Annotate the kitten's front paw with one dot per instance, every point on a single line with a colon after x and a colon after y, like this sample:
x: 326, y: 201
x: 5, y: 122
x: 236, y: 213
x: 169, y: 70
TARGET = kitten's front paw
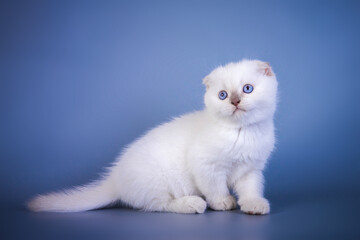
x: 254, y: 206
x: 226, y: 203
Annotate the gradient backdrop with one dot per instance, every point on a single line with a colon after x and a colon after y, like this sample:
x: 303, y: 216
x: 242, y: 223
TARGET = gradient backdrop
x: 81, y: 79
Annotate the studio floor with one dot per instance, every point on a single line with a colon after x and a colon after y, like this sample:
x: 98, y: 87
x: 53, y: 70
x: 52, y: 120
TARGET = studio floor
x: 316, y: 215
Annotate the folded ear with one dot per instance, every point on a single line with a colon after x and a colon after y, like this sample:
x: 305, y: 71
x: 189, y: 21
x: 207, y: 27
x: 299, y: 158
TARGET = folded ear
x: 265, y: 68
x: 206, y: 81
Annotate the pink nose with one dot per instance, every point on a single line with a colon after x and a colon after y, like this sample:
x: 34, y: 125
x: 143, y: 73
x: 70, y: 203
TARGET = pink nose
x: 235, y: 100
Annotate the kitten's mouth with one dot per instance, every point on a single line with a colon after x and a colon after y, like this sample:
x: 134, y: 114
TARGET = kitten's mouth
x: 238, y: 109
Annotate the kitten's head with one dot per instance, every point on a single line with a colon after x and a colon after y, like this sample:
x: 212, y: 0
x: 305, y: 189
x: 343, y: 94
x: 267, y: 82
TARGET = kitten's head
x: 241, y: 93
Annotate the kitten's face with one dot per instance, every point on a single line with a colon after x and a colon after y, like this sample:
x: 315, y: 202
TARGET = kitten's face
x: 243, y: 92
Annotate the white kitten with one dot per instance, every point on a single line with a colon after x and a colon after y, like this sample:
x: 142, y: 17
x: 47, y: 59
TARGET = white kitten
x: 183, y: 165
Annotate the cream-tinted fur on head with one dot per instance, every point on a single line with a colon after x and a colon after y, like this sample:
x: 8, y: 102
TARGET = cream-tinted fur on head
x: 191, y: 162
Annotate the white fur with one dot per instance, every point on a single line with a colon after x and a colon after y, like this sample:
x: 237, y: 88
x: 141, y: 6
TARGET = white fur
x: 178, y: 165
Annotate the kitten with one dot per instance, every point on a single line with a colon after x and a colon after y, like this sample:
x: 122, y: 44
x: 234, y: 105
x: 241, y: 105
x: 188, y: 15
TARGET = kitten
x: 191, y: 162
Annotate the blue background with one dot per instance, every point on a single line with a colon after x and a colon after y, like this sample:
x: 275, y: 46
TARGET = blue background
x: 81, y: 79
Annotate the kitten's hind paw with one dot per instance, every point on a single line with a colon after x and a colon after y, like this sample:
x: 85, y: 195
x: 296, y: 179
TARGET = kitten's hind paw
x: 187, y: 204
x: 222, y: 204
x: 254, y: 206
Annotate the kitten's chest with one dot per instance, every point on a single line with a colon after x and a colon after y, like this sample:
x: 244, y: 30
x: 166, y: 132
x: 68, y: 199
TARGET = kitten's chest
x: 245, y: 144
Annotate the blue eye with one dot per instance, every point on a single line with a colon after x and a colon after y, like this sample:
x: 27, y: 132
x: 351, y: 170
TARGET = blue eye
x: 248, y: 88
x: 223, y: 94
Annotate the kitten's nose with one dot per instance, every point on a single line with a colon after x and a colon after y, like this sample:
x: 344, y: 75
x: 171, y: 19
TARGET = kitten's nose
x: 235, y: 100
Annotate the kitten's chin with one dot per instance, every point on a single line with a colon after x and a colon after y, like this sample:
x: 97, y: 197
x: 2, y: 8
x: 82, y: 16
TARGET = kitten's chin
x: 238, y: 116
x: 237, y: 111
x: 235, y: 118
x: 241, y: 117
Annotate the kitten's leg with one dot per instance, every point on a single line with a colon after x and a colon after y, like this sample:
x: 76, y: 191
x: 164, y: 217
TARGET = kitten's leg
x: 250, y: 191
x: 215, y: 190
x: 186, y: 204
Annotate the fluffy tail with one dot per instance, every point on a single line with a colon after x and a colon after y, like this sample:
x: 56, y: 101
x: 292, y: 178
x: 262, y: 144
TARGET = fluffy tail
x: 92, y: 196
